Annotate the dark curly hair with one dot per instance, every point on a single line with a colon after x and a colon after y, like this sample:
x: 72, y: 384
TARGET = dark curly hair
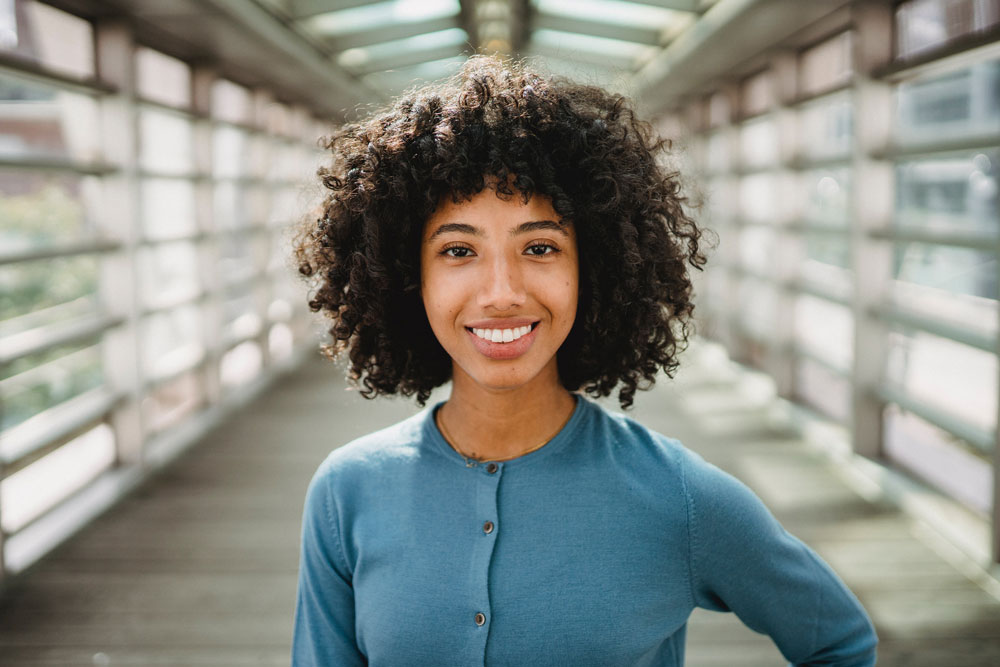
x: 497, y: 124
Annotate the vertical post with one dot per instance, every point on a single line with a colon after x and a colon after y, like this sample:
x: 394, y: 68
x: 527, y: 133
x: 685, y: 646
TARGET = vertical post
x: 202, y: 79
x: 263, y: 238
x: 120, y: 346
x: 729, y: 238
x: 788, y: 244
x: 995, y: 518
x: 872, y: 209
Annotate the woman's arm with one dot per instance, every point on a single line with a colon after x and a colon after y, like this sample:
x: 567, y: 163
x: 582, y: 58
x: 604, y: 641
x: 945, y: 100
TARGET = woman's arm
x: 324, y: 610
x: 743, y: 560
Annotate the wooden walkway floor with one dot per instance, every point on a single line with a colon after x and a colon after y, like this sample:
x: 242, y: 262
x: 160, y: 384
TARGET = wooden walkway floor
x: 199, y: 566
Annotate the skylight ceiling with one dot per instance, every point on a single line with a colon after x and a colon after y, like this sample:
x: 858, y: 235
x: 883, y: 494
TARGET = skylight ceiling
x: 392, y: 44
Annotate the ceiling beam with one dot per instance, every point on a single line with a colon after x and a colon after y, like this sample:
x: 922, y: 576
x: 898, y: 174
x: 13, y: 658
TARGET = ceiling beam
x: 353, y: 40
x: 602, y: 60
x: 726, y: 36
x: 408, y: 59
x: 679, y: 5
x: 645, y: 36
x: 304, y: 9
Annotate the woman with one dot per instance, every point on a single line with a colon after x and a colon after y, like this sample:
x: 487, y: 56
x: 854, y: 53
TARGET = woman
x: 516, y: 236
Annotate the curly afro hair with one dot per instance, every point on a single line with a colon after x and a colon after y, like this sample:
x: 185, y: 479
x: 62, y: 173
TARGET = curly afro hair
x: 496, y: 124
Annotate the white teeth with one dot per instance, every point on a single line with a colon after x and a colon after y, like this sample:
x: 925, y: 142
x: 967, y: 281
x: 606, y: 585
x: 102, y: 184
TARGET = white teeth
x: 502, y: 335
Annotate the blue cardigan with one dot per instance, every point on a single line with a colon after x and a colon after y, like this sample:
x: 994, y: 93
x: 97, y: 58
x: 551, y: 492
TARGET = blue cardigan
x: 592, y: 550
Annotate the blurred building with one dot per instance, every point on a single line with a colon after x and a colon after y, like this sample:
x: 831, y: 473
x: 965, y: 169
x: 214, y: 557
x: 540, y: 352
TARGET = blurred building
x: 153, y: 156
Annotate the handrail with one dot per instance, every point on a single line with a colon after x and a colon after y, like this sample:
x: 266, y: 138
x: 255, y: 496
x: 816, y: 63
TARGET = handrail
x: 975, y: 241
x: 983, y: 440
x: 958, y: 334
x: 44, y: 338
x: 93, y: 168
x: 45, y: 432
x: 59, y: 250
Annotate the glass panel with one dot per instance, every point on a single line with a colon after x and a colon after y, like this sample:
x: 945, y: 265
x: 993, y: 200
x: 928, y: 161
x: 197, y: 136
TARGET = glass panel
x: 824, y: 390
x: 965, y: 103
x: 231, y: 102
x: 757, y: 198
x: 168, y: 273
x: 951, y: 193
x: 825, y: 330
x: 718, y: 109
x: 826, y: 65
x: 241, y: 364
x: 828, y: 249
x: 48, y: 36
x: 167, y: 208
x: 169, y: 403
x: 758, y: 307
x: 165, y: 142
x: 955, y: 270
x: 230, y: 156
x: 285, y: 206
x: 757, y: 93
x: 828, y: 126
x: 39, y: 121
x: 33, y: 384
x: 976, y: 313
x: 757, y: 247
x: 381, y: 14
x: 230, y: 210
x: 280, y: 342
x: 235, y: 261
x: 959, y: 379
x: 162, y: 78
x: 31, y: 492
x: 30, y: 286
x: 361, y: 56
x: 717, y: 152
x: 759, y: 143
x: 39, y: 209
x: 922, y: 25
x: 937, y: 457
x: 239, y: 314
x: 260, y: 155
x: 171, y: 341
x: 827, y: 196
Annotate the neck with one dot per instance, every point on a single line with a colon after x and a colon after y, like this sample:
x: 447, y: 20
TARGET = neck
x: 488, y: 424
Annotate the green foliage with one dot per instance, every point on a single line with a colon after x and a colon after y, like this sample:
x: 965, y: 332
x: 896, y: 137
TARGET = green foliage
x: 47, y: 216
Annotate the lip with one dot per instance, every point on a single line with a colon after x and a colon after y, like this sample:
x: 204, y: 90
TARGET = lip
x: 502, y: 323
x: 511, y: 350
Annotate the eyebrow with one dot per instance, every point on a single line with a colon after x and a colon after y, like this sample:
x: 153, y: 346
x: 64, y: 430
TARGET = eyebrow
x: 523, y: 228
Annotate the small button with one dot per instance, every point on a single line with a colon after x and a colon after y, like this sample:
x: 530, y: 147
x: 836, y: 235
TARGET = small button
x: 488, y: 527
x: 480, y: 618
x: 491, y: 467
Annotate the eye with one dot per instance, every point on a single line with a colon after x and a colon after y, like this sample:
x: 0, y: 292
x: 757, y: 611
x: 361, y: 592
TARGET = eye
x: 457, y: 251
x: 541, y: 249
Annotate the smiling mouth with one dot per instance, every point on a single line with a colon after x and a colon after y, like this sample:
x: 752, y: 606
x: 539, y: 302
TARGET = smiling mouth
x: 503, y: 335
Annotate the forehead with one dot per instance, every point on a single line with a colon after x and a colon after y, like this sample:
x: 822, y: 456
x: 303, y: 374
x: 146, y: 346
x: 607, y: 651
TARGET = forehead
x: 485, y: 209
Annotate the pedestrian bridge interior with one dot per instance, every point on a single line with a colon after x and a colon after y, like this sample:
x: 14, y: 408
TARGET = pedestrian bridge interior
x: 163, y: 402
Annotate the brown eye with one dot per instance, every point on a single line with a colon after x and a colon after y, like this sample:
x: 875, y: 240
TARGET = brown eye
x: 540, y: 249
x: 458, y: 252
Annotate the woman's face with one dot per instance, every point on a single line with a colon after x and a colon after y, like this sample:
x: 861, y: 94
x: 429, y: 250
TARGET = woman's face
x: 499, y: 281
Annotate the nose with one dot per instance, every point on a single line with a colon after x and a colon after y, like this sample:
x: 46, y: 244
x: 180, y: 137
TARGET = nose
x: 503, y: 285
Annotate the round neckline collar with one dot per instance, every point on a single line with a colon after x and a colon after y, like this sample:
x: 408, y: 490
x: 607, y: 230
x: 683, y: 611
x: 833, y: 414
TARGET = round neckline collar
x: 557, y: 442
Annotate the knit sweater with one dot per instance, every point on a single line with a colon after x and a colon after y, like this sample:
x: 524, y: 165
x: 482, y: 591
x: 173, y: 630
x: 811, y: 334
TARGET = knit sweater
x: 592, y: 550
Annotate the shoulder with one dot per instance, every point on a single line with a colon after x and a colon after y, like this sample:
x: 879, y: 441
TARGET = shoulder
x: 666, y: 458
x: 371, y: 457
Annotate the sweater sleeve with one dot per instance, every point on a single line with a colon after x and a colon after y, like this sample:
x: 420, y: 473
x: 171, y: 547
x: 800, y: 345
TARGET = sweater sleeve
x: 744, y: 561
x: 324, y: 610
